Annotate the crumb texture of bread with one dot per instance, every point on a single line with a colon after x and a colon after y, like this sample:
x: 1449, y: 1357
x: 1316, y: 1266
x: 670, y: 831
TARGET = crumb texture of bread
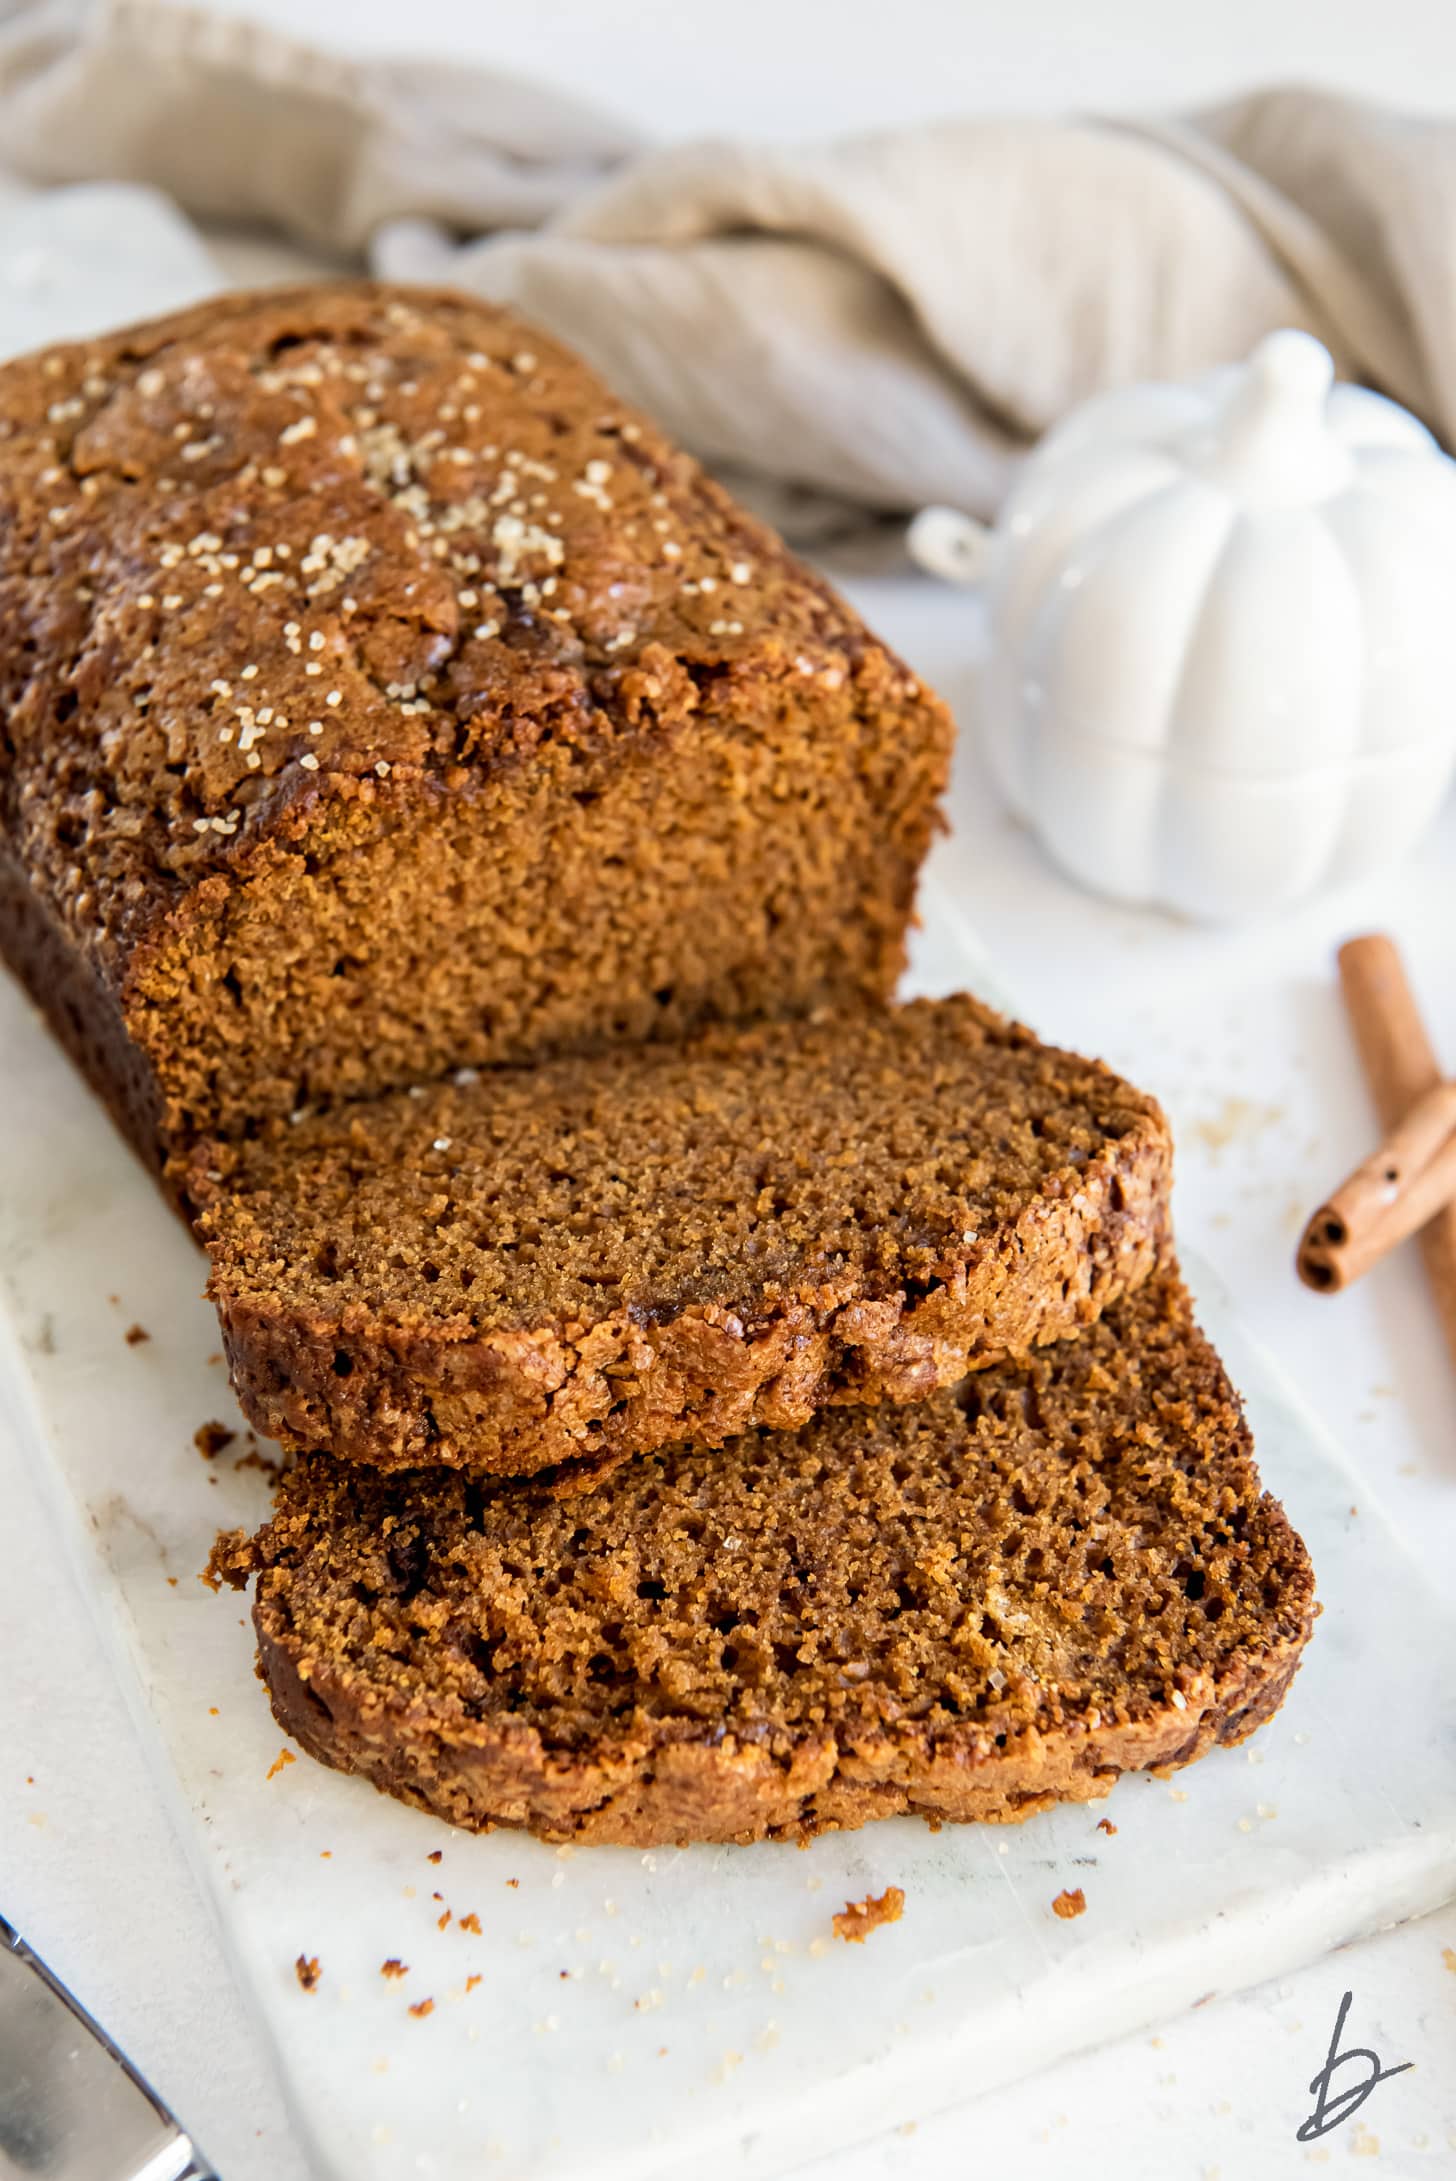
x: 382, y: 696
x: 972, y: 1608
x: 560, y: 1267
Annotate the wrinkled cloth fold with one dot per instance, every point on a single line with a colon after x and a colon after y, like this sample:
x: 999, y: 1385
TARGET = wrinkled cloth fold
x: 886, y: 320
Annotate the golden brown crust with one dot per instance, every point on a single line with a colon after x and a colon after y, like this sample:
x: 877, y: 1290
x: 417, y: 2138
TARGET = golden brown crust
x: 83, y: 1009
x: 674, y: 1794
x: 562, y: 1269
x: 356, y: 580
x: 955, y: 1612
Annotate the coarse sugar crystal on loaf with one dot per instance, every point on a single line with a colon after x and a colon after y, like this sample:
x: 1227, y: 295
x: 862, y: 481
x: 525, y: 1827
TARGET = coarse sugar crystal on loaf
x: 1004, y: 1597
x: 563, y: 1266
x: 382, y: 696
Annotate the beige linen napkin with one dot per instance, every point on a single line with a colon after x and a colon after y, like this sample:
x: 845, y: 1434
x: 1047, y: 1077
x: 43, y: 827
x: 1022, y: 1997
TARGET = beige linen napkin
x: 887, y: 320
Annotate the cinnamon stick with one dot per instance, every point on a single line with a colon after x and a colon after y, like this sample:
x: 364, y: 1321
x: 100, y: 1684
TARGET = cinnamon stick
x: 1389, y: 1197
x: 1400, y: 1067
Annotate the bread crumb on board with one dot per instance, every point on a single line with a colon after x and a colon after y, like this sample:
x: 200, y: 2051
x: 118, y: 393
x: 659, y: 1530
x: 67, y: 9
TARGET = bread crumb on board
x: 135, y: 1335
x: 1105, y: 1825
x: 307, y: 1971
x: 284, y: 1757
x: 421, y: 2008
x: 857, y: 1919
x: 394, y: 1967
x: 211, y: 1438
x: 1071, y: 1901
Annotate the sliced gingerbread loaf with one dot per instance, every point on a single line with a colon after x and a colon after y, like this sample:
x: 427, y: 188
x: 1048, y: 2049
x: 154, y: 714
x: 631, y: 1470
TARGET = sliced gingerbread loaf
x: 560, y: 1267
x: 972, y: 1608
x: 381, y: 695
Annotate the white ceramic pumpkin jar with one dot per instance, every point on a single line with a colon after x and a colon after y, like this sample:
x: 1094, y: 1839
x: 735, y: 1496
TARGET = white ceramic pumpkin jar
x: 1221, y: 664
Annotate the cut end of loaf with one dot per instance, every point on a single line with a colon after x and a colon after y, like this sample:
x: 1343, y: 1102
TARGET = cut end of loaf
x: 719, y: 870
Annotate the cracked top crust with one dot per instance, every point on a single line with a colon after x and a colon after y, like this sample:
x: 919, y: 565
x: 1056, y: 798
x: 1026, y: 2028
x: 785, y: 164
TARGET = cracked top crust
x: 281, y: 546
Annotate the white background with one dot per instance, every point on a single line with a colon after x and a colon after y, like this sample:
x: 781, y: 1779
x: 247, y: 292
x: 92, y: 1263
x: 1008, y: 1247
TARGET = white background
x: 787, y: 68
x: 1241, y: 1034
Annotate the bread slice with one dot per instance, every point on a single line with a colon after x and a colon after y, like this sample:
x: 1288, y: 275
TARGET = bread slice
x: 972, y: 1608
x: 560, y: 1268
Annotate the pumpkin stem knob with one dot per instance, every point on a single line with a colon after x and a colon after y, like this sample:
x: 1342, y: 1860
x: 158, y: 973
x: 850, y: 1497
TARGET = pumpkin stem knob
x: 1270, y: 441
x: 1293, y: 368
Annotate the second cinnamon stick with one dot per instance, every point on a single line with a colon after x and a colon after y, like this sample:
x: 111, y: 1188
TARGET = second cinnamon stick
x: 1388, y: 1198
x: 1400, y: 1066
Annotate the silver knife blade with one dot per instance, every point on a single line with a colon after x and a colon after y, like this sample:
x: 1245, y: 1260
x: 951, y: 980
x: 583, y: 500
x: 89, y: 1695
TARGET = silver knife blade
x: 72, y: 2106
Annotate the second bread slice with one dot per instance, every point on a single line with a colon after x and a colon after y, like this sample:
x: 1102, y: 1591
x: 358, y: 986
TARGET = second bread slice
x: 560, y: 1268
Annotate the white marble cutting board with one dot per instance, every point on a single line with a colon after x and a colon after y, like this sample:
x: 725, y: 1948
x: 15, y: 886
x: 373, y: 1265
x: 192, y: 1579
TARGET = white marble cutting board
x: 648, y: 2015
